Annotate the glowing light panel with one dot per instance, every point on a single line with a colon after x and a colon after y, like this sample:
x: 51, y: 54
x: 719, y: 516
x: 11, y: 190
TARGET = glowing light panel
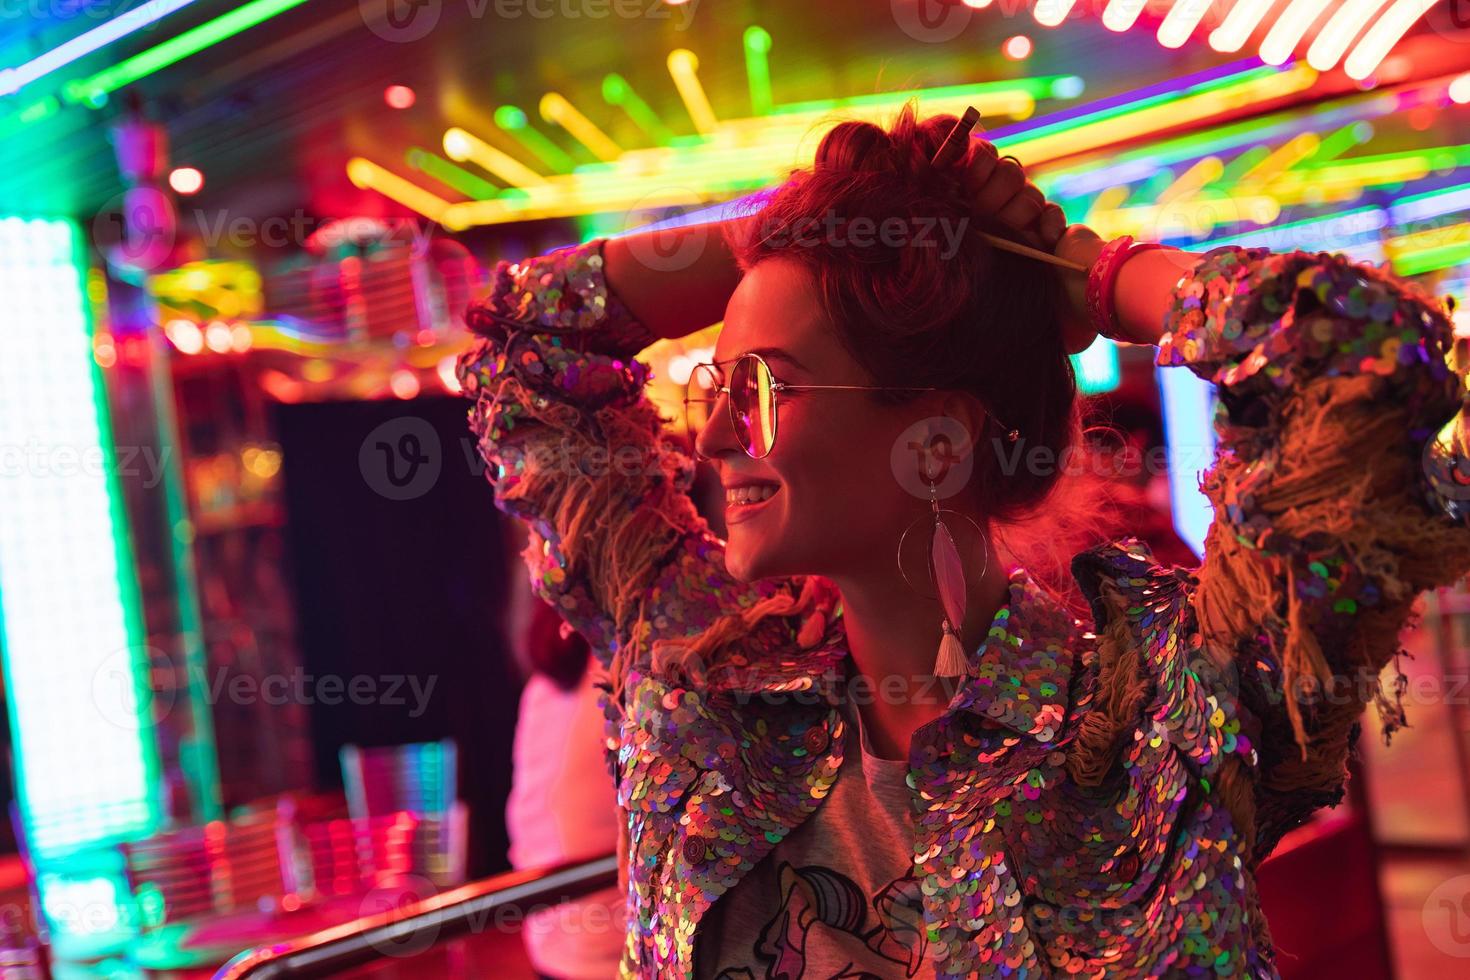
x: 69, y: 627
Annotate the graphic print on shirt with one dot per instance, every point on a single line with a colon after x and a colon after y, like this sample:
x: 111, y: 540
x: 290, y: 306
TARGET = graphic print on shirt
x: 821, y: 907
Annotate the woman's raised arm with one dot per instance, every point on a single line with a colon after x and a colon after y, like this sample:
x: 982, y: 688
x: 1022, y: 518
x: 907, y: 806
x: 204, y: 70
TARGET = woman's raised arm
x: 1333, y: 383
x: 677, y: 280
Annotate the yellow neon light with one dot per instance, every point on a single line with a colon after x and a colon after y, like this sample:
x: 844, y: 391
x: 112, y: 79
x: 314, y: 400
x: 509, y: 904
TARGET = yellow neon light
x: 1109, y: 200
x: 1197, y: 217
x: 1429, y: 238
x: 1189, y: 109
x: 1282, y: 159
x: 1333, y: 40
x: 1205, y: 171
x: 684, y: 66
x: 739, y: 154
x: 1383, y: 35
x: 556, y: 109
x: 369, y: 176
x: 460, y: 146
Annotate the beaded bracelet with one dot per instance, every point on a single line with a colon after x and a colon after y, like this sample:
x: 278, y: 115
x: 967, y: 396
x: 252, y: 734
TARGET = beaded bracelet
x: 1102, y: 278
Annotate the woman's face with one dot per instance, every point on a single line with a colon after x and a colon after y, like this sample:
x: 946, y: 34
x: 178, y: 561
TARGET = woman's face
x: 838, y: 505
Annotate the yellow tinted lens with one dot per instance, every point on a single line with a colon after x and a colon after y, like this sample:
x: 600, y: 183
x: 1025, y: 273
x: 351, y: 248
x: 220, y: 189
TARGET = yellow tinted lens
x: 754, y: 401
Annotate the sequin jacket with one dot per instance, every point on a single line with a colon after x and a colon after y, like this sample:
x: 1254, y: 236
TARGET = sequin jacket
x: 1142, y: 868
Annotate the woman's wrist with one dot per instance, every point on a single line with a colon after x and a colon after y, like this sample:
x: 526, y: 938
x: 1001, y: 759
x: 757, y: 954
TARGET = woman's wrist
x: 1144, y: 291
x: 676, y: 280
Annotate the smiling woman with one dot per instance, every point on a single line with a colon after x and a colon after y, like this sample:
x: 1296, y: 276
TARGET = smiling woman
x: 804, y: 791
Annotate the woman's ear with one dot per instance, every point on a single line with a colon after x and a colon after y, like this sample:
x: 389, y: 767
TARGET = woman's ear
x: 966, y: 409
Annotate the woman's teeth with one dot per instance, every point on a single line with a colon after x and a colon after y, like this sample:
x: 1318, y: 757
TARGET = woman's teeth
x: 749, y: 495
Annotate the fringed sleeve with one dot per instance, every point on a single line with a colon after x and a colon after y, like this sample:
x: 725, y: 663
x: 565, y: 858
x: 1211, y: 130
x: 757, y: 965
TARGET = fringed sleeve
x: 1335, y: 491
x: 574, y: 448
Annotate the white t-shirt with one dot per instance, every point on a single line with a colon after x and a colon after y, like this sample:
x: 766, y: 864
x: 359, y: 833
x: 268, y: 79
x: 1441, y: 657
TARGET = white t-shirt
x: 562, y: 807
x: 836, y: 898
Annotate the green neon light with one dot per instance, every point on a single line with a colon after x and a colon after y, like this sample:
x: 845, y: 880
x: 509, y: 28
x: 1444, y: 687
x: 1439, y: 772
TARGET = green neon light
x: 76, y: 662
x: 89, y: 90
x: 758, y: 69
x: 32, y: 113
x: 1430, y: 259
x: 1339, y: 142
x: 1161, y: 98
x: 468, y: 184
x: 515, y: 124
x: 1435, y: 157
x: 616, y: 91
x: 1097, y: 368
x: 1219, y: 140
x: 1243, y: 164
x: 1038, y: 87
x: 199, y: 757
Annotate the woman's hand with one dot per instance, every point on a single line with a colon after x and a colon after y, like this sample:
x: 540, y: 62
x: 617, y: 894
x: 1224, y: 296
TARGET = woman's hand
x: 1079, y: 244
x: 1020, y: 205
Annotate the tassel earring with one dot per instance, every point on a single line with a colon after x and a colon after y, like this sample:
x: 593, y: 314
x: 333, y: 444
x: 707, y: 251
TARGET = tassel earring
x: 947, y: 571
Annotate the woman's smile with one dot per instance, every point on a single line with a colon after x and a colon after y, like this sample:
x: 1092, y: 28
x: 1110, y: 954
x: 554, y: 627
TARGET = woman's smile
x: 746, y: 501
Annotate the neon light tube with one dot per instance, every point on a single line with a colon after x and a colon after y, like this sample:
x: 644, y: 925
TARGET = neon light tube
x: 1290, y: 27
x: 75, y: 656
x: 556, y: 109
x: 1239, y: 24
x: 1446, y: 200
x: 369, y: 176
x: 513, y: 122
x: 1180, y: 22
x: 616, y: 91
x: 90, y: 90
x: 758, y: 69
x: 1383, y: 35
x: 460, y: 145
x: 446, y: 173
x: 1333, y: 40
x: 684, y: 67
x: 1121, y: 14
x: 1050, y: 13
x: 14, y: 79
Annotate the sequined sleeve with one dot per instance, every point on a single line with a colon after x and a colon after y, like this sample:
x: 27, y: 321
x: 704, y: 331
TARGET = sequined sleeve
x: 1334, y: 493
x: 574, y: 448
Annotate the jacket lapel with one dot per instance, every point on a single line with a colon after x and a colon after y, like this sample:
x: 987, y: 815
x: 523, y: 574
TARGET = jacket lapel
x: 716, y: 777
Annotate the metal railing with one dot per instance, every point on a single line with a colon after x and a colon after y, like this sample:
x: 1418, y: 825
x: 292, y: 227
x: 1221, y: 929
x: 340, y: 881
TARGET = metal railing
x: 453, y: 913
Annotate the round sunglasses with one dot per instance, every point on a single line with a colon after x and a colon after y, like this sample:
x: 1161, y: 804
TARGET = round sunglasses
x: 752, y: 396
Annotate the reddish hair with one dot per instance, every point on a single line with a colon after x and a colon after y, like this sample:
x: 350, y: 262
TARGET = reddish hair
x: 955, y: 314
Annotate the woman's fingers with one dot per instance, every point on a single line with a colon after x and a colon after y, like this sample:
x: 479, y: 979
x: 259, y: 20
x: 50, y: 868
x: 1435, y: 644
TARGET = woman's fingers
x: 1052, y: 225
x: 1015, y: 201
x: 1005, y: 181
x: 1022, y: 210
x: 983, y: 161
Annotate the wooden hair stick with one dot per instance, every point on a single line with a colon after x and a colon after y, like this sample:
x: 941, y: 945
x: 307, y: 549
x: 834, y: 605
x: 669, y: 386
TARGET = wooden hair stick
x: 951, y: 150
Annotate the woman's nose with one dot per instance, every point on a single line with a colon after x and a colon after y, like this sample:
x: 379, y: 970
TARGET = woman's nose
x: 718, y: 435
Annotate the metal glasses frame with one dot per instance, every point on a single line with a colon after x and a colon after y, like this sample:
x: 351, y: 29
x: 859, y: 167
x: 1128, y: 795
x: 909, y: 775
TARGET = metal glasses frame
x: 776, y: 388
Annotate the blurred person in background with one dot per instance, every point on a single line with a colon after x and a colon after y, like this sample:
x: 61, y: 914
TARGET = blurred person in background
x: 562, y: 805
